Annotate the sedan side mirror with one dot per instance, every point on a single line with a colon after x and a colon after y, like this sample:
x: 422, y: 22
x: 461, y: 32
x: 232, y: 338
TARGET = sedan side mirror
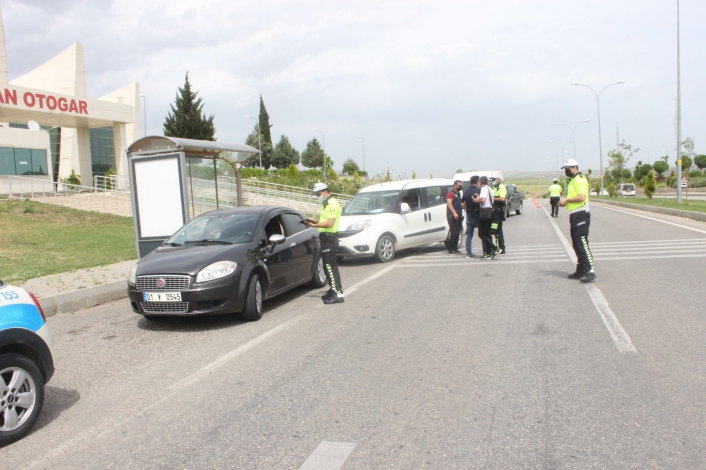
x: 404, y: 208
x: 275, y: 240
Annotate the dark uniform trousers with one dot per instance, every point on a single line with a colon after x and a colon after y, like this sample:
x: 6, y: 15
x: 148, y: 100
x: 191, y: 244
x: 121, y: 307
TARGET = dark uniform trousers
x: 554, y: 201
x: 580, y: 223
x: 453, y: 239
x: 329, y: 255
x: 496, y: 228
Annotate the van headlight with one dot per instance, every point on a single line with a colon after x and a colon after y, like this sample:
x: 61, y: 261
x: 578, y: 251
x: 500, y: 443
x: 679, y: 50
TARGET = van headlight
x: 215, y: 271
x: 132, y: 276
x: 359, y: 226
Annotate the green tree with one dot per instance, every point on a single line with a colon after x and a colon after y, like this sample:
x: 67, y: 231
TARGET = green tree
x: 388, y: 176
x: 700, y: 161
x: 329, y: 162
x: 356, y: 176
x: 650, y: 184
x: 626, y: 174
x: 313, y: 154
x: 292, y: 171
x: 660, y: 167
x: 265, y: 126
x: 253, y: 141
x: 186, y: 118
x: 618, y: 159
x: 686, y: 163
x: 284, y: 154
x: 611, y: 190
x: 414, y: 175
x: 350, y: 167
x: 331, y: 174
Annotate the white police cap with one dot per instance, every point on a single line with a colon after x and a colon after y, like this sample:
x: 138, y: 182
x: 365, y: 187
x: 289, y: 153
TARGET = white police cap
x: 318, y: 187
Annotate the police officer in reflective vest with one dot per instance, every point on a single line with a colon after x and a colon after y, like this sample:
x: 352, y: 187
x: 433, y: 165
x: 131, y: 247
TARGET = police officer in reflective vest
x: 499, y: 201
x: 576, y: 203
x: 328, y: 233
x: 554, y: 197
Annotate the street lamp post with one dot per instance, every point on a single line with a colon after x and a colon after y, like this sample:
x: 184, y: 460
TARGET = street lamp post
x: 144, y: 111
x: 678, y: 112
x: 562, y: 147
x: 323, y: 140
x: 259, y: 143
x: 362, y: 140
x: 598, y: 104
x: 573, y: 132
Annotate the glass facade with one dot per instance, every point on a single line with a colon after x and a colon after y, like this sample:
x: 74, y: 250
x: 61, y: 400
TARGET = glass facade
x: 102, y: 150
x: 54, y: 145
x: 23, y: 162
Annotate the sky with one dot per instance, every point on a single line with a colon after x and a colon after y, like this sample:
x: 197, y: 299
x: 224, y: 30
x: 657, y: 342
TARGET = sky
x: 432, y: 87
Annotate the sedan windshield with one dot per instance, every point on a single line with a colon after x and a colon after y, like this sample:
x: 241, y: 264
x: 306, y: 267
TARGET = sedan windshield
x: 216, y: 229
x: 371, y: 203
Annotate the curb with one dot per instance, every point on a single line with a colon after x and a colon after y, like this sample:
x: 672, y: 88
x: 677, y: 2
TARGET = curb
x: 69, y: 302
x: 698, y: 216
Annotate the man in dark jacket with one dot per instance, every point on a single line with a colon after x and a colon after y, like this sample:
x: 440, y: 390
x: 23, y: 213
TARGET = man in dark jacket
x: 454, y: 216
x: 472, y: 213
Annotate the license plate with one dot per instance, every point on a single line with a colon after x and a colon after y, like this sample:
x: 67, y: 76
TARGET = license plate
x: 161, y: 296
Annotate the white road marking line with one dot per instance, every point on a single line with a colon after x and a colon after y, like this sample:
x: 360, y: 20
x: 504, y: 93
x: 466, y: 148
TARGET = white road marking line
x: 652, y: 242
x: 652, y: 218
x: 616, y: 258
x: 475, y: 263
x: 564, y: 242
x: 328, y: 456
x: 513, y: 256
x: 619, y: 335
x: 627, y: 251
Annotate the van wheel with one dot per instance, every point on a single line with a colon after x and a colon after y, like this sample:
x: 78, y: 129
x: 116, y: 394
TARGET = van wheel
x: 253, y: 302
x: 385, y: 249
x: 519, y: 211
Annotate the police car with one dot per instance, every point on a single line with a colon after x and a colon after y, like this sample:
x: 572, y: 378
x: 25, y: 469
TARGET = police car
x: 26, y: 362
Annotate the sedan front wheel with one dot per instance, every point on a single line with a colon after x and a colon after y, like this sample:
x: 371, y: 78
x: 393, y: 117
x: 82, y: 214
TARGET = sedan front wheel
x: 253, y: 302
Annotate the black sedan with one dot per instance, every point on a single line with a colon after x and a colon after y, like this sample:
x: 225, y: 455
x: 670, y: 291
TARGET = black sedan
x: 513, y: 201
x: 227, y: 261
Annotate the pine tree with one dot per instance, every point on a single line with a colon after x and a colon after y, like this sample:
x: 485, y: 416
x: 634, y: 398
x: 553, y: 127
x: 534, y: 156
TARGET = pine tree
x: 253, y: 141
x: 267, y: 146
x: 313, y: 154
x: 187, y: 119
x: 284, y: 154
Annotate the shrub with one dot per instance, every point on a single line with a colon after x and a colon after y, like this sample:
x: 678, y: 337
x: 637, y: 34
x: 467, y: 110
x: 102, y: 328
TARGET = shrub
x: 698, y: 182
x: 672, y: 181
x: 356, y: 176
x: 73, y: 178
x: 331, y: 174
x: 650, y: 184
x: 292, y: 171
x: 108, y: 182
x: 611, y: 190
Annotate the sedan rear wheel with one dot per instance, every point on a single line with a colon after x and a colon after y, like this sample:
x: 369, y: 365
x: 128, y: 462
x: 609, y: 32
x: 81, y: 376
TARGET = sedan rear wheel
x: 385, y: 250
x: 21, y: 396
x: 253, y: 301
x: 519, y: 211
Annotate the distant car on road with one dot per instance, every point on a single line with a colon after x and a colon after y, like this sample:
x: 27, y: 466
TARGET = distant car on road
x: 514, y: 200
x: 26, y: 362
x: 626, y: 189
x: 227, y: 261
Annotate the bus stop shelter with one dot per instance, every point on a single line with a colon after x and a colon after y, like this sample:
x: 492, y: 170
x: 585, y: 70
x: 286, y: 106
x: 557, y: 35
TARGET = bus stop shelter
x: 173, y: 180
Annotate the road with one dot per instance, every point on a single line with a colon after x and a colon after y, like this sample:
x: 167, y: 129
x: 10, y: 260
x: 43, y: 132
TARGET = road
x: 432, y: 362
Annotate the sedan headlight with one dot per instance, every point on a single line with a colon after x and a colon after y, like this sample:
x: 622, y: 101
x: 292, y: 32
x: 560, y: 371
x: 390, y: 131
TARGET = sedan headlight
x: 216, y: 271
x: 359, y: 226
x: 131, y: 278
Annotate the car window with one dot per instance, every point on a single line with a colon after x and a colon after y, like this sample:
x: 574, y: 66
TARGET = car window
x: 274, y: 227
x: 436, y: 195
x: 371, y: 202
x: 293, y: 223
x: 413, y: 197
x: 223, y: 227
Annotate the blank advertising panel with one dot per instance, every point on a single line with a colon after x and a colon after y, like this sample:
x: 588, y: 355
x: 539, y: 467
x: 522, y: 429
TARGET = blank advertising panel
x: 159, y: 199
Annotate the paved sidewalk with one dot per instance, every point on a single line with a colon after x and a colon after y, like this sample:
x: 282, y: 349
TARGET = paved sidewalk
x: 83, y: 288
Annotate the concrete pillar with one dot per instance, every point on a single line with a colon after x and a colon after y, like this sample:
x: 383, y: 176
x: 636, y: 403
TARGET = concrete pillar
x: 120, y: 145
x: 76, y: 154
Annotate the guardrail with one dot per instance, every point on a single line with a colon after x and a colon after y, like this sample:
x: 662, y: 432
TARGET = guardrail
x: 71, y: 195
x: 119, y: 182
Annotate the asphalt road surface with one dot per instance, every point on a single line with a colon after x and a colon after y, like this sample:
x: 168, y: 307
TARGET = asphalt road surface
x: 433, y: 361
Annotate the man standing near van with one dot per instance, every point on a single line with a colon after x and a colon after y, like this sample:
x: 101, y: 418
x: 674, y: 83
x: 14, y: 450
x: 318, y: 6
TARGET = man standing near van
x: 485, y: 199
x: 554, y: 197
x: 499, y: 198
x: 328, y: 233
x: 472, y: 213
x: 576, y: 203
x: 454, y: 216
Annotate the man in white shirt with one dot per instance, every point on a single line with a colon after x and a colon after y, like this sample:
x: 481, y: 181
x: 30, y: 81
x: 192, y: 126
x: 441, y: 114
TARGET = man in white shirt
x: 485, y: 199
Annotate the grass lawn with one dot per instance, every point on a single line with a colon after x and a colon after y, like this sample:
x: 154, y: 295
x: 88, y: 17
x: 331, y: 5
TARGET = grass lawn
x: 39, y: 239
x: 670, y: 203
x: 532, y: 187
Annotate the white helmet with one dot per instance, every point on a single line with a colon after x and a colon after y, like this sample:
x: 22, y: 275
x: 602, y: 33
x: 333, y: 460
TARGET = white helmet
x: 496, y: 176
x: 570, y: 162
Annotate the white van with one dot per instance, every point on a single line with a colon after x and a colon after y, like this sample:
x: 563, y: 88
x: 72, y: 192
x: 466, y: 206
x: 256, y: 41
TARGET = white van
x: 387, y: 217
x: 465, y: 177
x: 626, y: 189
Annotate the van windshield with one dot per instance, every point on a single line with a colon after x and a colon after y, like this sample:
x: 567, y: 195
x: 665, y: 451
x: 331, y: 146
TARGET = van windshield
x: 371, y: 203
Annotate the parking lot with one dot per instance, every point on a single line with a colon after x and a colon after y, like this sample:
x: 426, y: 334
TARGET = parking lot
x: 433, y: 361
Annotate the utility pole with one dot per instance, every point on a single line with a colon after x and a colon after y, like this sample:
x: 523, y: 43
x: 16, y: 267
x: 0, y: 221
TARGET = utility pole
x: 678, y: 113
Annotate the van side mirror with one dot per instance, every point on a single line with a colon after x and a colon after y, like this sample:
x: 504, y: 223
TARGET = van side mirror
x: 404, y: 208
x: 275, y: 240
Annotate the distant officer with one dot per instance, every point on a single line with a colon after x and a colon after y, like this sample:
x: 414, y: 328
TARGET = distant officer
x: 554, y: 197
x: 499, y: 201
x: 576, y: 203
x: 328, y: 233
